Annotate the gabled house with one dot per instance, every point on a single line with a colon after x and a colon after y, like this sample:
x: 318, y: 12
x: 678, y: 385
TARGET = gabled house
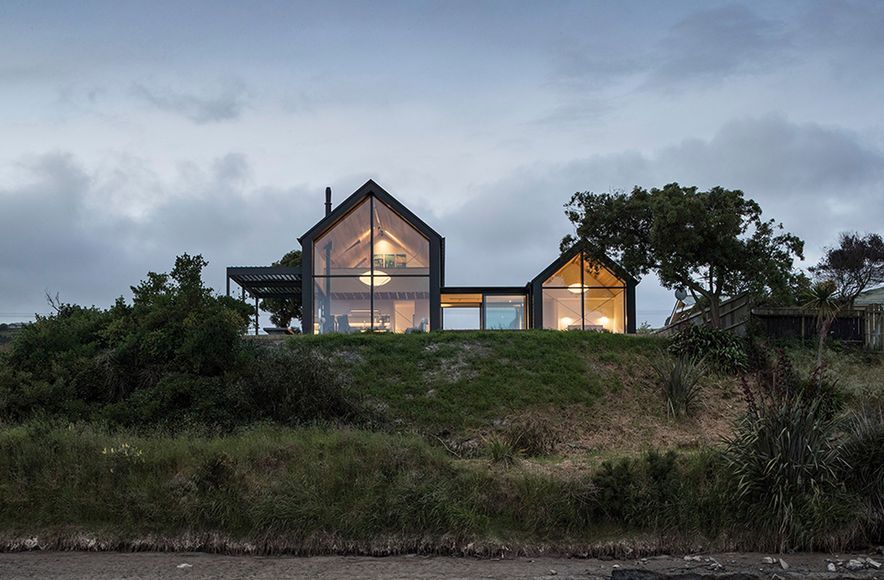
x: 371, y: 265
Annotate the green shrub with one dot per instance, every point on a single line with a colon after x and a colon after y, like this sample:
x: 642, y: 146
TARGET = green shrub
x: 679, y: 379
x: 658, y: 491
x: 863, y: 453
x: 291, y: 386
x: 532, y: 436
x: 723, y: 350
x: 501, y: 451
x: 161, y: 359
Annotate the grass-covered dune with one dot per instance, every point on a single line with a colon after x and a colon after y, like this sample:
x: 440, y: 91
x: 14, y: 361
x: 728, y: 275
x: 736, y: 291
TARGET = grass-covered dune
x: 597, y: 391
x: 460, y: 443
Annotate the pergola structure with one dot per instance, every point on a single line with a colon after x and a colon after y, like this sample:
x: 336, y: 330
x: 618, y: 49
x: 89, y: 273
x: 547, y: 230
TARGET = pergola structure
x: 265, y: 282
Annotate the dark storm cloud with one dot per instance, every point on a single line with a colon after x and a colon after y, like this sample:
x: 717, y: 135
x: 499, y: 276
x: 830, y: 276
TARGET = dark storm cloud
x: 225, y: 104
x: 60, y: 234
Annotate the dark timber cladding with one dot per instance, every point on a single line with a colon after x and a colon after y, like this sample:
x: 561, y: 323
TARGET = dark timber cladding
x: 397, y: 283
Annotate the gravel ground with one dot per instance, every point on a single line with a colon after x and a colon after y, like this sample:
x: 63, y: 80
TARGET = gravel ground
x: 189, y: 565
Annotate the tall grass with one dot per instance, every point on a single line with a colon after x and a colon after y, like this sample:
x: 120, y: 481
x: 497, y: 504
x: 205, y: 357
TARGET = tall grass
x: 680, y: 379
x: 263, y: 483
x: 317, y: 490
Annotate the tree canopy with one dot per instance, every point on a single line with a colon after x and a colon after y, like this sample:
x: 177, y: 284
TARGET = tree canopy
x: 283, y: 310
x: 711, y: 243
x: 855, y: 264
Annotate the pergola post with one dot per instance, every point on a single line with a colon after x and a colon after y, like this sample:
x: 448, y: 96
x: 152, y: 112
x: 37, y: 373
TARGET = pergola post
x: 256, y: 316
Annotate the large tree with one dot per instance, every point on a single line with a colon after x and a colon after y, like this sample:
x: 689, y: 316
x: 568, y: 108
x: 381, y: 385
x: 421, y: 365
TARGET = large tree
x: 711, y: 243
x: 283, y: 310
x: 855, y: 264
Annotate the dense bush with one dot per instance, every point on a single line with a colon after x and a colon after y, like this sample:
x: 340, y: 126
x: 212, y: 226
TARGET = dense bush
x: 662, y: 492
x: 173, y: 357
x: 722, y: 349
x: 290, y: 386
x: 786, y: 465
x: 863, y: 453
x: 800, y: 478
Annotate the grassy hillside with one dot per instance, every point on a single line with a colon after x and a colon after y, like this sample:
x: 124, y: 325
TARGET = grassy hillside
x: 432, y: 466
x: 461, y: 380
x: 598, y: 391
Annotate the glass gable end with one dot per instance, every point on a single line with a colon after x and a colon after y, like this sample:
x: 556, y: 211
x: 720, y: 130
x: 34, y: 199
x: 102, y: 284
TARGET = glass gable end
x: 371, y: 274
x: 583, y: 295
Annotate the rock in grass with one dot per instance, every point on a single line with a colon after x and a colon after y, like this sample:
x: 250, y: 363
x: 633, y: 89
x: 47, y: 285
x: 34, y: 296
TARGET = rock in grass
x: 873, y: 564
x: 855, y: 565
x: 831, y: 567
x: 783, y: 564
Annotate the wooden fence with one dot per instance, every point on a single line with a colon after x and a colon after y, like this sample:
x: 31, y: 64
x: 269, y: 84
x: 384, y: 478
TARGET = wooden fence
x: 862, y: 326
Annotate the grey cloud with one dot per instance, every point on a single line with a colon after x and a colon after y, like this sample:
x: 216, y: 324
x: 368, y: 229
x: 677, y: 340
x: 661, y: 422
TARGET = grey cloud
x: 716, y: 43
x: 772, y: 153
x: 58, y: 233
x: 817, y: 180
x: 705, y: 46
x: 225, y: 104
x: 65, y: 230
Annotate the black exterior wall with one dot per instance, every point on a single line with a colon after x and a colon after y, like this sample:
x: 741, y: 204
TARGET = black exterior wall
x: 533, y: 290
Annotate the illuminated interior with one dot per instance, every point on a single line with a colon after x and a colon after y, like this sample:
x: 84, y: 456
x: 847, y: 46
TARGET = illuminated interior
x: 582, y: 295
x: 462, y: 311
x: 371, y: 274
x: 505, y: 312
x: 475, y: 311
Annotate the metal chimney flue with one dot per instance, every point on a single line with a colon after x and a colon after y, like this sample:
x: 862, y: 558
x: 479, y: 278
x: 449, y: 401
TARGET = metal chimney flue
x: 327, y: 200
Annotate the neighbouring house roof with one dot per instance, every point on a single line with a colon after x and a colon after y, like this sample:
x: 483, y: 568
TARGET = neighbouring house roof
x: 873, y: 296
x: 267, y: 281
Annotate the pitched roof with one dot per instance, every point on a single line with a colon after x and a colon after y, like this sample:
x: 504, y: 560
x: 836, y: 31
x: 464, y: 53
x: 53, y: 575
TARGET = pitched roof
x: 572, y: 251
x: 873, y: 296
x: 369, y: 188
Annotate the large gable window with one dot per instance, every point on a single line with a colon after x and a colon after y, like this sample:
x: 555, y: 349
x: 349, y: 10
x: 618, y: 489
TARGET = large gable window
x: 583, y: 295
x: 371, y: 274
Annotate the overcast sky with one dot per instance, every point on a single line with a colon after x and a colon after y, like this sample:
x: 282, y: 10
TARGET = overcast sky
x: 131, y: 132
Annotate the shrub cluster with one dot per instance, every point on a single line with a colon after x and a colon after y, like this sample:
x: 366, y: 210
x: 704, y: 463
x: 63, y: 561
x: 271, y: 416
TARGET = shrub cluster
x: 803, y: 475
x: 661, y: 492
x: 721, y: 349
x: 173, y: 357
